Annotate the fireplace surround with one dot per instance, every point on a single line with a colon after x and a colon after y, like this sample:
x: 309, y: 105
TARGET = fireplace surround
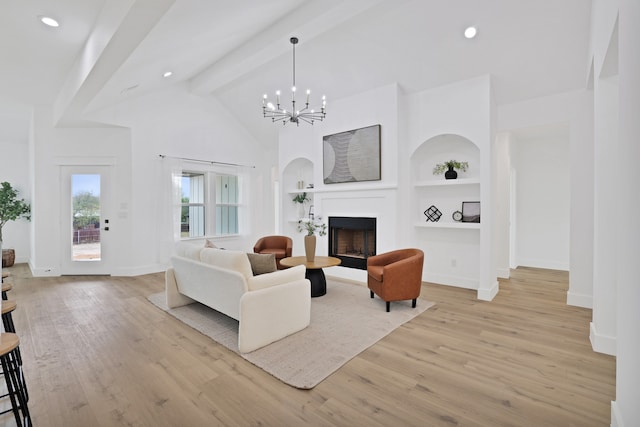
x: 352, y: 240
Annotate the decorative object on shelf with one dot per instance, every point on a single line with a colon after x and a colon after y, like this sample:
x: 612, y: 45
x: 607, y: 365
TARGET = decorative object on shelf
x: 300, y: 185
x: 311, y: 227
x: 470, y: 211
x: 457, y: 216
x: 433, y: 214
x: 11, y: 208
x: 448, y: 168
x: 278, y: 113
x: 352, y: 156
x: 300, y: 199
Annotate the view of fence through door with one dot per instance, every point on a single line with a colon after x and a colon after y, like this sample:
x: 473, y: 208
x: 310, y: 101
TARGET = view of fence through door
x: 85, y: 193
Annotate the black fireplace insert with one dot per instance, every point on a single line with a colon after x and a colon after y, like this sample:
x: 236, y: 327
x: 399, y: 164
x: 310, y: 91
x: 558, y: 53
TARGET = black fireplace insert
x: 352, y: 239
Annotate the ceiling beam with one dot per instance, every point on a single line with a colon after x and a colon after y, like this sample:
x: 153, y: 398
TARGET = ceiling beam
x: 306, y: 22
x: 119, y: 29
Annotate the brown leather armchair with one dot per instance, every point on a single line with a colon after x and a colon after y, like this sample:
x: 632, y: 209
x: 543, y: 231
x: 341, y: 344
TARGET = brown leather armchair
x: 280, y: 246
x: 396, y: 275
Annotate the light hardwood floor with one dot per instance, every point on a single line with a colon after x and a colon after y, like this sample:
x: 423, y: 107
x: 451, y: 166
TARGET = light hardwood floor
x: 97, y: 353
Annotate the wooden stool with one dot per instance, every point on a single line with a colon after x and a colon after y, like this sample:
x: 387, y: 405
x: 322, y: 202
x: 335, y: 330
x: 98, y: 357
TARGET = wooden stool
x: 7, y: 322
x: 6, y: 287
x: 16, y: 387
x: 7, y: 318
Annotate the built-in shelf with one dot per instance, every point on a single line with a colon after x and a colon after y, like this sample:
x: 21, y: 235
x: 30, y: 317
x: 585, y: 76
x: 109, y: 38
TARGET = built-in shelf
x: 463, y: 225
x: 441, y: 182
x: 331, y: 189
x: 304, y: 190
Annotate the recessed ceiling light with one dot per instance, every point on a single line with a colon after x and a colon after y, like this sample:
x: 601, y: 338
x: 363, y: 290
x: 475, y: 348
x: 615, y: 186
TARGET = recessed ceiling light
x: 167, y: 74
x: 47, y: 20
x: 470, y: 32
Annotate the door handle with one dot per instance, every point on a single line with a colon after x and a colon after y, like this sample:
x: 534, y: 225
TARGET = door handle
x: 106, y: 229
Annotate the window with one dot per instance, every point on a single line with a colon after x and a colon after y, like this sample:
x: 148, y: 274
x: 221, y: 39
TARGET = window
x: 192, y: 215
x: 226, y: 204
x: 198, y: 215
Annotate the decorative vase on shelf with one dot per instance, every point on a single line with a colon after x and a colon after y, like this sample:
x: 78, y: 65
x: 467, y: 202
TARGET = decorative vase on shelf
x: 450, y: 173
x: 310, y: 247
x: 300, y: 210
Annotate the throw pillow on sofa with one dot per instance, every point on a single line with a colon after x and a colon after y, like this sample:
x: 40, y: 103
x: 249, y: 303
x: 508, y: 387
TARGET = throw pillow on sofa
x: 262, y: 263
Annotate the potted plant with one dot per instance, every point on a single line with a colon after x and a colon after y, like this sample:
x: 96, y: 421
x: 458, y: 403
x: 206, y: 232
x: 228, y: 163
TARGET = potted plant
x: 311, y: 227
x: 300, y: 199
x: 448, y: 168
x: 11, y: 208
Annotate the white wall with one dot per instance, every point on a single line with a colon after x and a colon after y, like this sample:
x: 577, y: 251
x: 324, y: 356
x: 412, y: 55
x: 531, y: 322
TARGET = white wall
x: 542, y: 201
x: 465, y: 109
x: 573, y: 108
x: 606, y: 180
x: 174, y: 123
x: 368, y: 199
x: 625, y: 410
x: 580, y: 291
x: 502, y: 189
x: 52, y: 148
x: 177, y: 123
x: 14, y: 169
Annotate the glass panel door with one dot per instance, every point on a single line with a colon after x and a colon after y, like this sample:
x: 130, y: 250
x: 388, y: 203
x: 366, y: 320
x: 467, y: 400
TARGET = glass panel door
x: 85, y: 226
x: 85, y: 196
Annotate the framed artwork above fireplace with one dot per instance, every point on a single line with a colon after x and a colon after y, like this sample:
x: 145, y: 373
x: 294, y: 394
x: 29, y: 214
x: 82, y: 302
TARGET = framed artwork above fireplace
x: 352, y: 156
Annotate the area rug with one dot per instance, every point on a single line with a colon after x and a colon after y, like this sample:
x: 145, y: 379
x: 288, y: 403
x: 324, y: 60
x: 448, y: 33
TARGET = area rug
x: 344, y: 322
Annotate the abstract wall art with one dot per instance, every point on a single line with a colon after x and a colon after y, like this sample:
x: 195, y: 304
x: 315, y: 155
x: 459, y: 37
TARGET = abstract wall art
x: 352, y: 156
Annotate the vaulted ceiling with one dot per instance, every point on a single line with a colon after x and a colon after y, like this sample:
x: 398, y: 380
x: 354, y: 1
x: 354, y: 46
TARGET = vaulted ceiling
x: 106, y: 52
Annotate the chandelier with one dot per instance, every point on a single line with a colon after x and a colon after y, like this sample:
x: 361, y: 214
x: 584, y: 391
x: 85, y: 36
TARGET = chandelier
x: 279, y: 113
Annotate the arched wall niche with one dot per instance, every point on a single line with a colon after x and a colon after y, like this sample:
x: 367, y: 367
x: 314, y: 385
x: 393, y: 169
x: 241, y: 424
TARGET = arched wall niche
x: 441, y: 148
x: 452, y: 248
x: 297, y: 170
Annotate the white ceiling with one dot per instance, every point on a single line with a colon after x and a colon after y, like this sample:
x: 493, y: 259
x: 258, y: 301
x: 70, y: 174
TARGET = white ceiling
x: 236, y: 51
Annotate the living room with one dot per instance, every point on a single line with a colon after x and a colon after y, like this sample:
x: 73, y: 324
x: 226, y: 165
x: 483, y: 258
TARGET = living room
x: 127, y: 132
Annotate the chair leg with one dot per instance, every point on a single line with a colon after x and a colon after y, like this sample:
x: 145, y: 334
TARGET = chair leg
x: 371, y: 292
x: 413, y: 303
x: 388, y: 306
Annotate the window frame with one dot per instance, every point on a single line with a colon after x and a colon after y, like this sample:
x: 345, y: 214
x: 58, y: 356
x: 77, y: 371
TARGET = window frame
x: 210, y: 204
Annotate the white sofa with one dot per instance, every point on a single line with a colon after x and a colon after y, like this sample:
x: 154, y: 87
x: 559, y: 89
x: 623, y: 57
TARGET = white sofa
x: 268, y: 307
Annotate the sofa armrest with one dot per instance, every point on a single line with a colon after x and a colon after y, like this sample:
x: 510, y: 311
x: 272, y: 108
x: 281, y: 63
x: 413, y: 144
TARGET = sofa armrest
x: 276, y: 278
x: 173, y: 296
x: 270, y: 314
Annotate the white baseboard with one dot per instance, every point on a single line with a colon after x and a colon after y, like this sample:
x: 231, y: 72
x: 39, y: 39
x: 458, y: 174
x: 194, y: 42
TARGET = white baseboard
x: 543, y: 263
x: 602, y: 343
x: 489, y: 294
x: 503, y: 273
x: 139, y: 271
x: 579, y: 300
x: 616, y: 418
x: 44, y: 272
x: 455, y: 281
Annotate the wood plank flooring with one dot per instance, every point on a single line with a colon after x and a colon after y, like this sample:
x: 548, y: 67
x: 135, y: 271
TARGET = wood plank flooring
x: 97, y: 353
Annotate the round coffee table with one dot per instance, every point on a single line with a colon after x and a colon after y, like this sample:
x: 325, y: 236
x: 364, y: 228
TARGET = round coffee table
x: 314, y: 271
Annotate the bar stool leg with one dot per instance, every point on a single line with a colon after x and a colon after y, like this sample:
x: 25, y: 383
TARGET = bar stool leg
x: 15, y: 389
